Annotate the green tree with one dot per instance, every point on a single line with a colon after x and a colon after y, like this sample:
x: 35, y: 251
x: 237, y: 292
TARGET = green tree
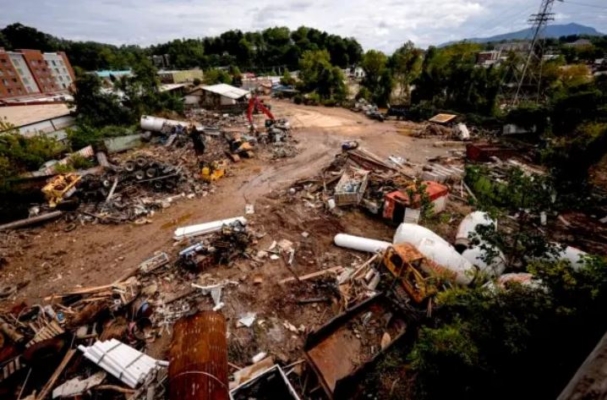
x: 215, y: 76
x: 287, y: 79
x: 374, y: 63
x: 317, y: 74
x: 97, y: 108
x: 406, y: 65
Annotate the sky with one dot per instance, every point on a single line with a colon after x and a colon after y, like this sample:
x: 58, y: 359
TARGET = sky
x: 377, y: 24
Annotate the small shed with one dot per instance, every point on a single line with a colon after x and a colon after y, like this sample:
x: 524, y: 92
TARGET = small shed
x: 216, y: 96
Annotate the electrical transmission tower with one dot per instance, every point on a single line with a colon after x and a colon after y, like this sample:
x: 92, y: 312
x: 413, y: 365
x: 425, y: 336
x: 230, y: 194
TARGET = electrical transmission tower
x: 532, y: 76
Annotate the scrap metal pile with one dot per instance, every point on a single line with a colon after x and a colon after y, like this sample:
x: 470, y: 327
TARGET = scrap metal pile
x: 133, y: 190
x: 90, y: 333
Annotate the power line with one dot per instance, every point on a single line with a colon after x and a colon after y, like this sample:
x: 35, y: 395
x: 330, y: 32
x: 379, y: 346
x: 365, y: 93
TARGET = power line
x: 539, y: 21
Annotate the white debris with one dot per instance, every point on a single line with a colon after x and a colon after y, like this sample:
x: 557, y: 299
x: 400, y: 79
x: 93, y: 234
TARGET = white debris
x: 247, y: 319
x: 122, y: 361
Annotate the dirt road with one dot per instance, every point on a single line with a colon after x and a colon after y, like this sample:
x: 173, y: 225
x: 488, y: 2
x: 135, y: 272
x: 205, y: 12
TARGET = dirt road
x: 47, y: 260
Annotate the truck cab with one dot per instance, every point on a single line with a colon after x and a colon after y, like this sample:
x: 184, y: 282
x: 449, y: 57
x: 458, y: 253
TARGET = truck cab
x: 405, y: 264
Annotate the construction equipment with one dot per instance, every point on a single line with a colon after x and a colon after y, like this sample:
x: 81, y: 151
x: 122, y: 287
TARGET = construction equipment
x: 214, y: 171
x: 256, y: 104
x: 60, y: 187
x: 406, y: 264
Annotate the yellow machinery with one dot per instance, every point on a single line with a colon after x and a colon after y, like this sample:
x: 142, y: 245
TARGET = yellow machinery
x: 214, y: 171
x: 406, y: 264
x: 60, y: 187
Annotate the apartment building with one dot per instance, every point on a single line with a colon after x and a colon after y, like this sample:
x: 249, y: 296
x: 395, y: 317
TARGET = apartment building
x: 60, y: 68
x: 26, y: 72
x: 10, y: 82
x: 37, y: 64
x: 27, y: 79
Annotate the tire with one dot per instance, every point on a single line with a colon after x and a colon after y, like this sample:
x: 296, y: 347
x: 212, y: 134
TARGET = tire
x: 139, y: 175
x: 130, y: 166
x: 151, y: 172
x: 141, y: 162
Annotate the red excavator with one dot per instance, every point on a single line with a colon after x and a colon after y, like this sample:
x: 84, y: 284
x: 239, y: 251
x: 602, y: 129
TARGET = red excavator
x: 256, y: 104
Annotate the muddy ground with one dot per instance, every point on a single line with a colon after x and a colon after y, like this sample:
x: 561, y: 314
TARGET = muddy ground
x: 47, y: 260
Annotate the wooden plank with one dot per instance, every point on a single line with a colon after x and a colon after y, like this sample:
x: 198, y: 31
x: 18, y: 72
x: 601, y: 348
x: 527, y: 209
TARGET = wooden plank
x: 313, y: 275
x: 51, y: 383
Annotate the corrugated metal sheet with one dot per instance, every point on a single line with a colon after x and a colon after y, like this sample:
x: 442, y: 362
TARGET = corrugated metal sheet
x: 198, y: 356
x: 226, y: 90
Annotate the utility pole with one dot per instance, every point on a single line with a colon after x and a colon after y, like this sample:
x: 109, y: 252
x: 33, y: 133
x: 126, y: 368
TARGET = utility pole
x: 535, y: 55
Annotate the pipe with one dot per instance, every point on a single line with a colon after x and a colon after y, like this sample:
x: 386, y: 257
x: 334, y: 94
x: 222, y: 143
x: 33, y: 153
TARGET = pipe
x: 155, y: 124
x: 360, y: 243
x: 476, y: 255
x: 438, y: 250
x: 206, y: 228
x: 31, y: 221
x: 469, y: 225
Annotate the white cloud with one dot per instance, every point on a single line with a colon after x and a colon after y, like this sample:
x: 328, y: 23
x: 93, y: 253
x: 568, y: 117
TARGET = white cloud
x: 380, y: 24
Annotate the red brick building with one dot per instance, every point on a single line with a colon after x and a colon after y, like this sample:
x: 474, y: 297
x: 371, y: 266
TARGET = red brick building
x: 10, y: 82
x: 39, y: 69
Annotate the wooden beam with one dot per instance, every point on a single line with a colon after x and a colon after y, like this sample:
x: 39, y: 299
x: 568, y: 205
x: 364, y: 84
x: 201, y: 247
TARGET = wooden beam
x: 51, y: 383
x: 313, y: 275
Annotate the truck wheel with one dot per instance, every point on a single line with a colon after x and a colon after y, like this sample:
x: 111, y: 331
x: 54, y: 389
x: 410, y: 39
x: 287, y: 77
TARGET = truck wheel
x: 130, y: 166
x: 150, y: 172
x: 141, y: 162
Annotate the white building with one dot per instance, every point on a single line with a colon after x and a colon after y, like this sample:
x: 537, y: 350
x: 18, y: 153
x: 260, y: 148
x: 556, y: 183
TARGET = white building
x: 24, y: 72
x: 58, y: 69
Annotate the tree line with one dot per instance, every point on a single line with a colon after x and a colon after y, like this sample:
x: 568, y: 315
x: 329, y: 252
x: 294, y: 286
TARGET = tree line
x: 263, y: 51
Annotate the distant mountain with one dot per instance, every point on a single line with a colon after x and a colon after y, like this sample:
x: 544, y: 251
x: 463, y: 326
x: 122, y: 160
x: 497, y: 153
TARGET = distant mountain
x: 552, y: 31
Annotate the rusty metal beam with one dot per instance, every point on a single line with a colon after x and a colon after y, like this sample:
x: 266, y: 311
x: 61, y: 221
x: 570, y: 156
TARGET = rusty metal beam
x: 198, y: 357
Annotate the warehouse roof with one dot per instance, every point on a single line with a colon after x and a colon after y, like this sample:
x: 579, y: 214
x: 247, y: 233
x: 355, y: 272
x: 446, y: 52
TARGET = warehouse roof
x: 226, y: 90
x: 30, y: 114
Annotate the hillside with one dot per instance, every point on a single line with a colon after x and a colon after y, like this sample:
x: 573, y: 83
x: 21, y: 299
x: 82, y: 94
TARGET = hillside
x: 552, y: 31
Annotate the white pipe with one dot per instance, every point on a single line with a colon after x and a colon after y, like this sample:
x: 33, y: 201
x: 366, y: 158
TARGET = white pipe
x: 360, y: 243
x: 446, y: 259
x: 205, y: 229
x: 468, y: 225
x: 155, y: 124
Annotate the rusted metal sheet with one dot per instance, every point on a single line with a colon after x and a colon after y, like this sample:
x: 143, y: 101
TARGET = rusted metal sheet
x: 198, y: 357
x: 442, y: 118
x: 347, y: 346
x: 484, y: 152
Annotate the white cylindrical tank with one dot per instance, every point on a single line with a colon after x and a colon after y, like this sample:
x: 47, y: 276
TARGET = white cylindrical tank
x: 468, y: 225
x: 360, y: 243
x: 437, y: 250
x: 155, y: 124
x: 493, y: 269
x: 571, y: 254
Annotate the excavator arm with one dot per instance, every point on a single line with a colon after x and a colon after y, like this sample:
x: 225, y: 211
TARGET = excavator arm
x: 255, y: 103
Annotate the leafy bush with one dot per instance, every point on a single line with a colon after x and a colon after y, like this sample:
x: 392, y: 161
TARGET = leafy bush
x: 313, y: 99
x: 298, y: 99
x: 364, y: 93
x: 25, y: 154
x: 480, y: 340
x: 84, y: 135
x: 330, y: 102
x: 79, y: 162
